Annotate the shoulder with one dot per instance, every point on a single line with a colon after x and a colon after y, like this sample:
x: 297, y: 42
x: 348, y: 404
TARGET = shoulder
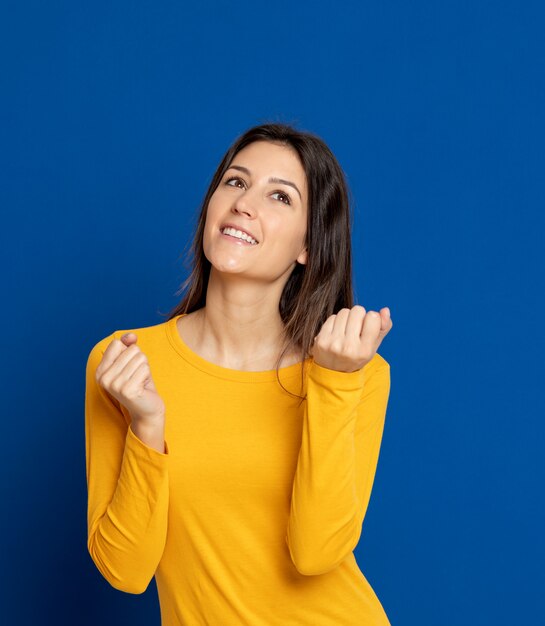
x: 147, y: 335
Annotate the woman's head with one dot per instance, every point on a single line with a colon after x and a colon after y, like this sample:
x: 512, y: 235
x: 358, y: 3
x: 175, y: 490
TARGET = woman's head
x: 264, y: 193
x: 303, y: 233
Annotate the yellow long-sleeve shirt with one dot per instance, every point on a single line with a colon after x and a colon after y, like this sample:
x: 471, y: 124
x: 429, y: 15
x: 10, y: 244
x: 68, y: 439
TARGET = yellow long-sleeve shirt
x: 252, y: 513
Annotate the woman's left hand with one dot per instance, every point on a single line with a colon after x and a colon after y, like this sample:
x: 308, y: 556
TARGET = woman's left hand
x: 350, y: 339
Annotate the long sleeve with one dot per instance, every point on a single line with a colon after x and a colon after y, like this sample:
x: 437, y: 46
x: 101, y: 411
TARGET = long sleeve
x: 128, y: 489
x: 343, y: 422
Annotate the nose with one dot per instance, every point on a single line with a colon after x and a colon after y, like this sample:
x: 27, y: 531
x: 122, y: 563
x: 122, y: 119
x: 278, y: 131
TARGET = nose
x: 244, y: 204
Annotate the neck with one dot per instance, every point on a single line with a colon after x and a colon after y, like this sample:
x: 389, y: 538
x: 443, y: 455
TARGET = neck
x: 241, y: 322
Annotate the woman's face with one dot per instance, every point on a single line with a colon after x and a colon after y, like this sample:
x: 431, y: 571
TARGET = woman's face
x: 274, y: 213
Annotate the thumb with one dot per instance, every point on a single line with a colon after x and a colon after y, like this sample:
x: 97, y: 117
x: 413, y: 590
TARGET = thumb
x: 129, y: 338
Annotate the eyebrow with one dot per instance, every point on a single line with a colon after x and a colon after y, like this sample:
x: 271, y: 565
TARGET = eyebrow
x: 271, y: 180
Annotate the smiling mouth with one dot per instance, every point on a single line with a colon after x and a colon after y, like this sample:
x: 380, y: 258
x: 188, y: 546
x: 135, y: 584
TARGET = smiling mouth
x: 239, y: 239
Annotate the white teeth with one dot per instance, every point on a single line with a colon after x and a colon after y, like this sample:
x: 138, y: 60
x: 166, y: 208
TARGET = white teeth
x: 238, y: 233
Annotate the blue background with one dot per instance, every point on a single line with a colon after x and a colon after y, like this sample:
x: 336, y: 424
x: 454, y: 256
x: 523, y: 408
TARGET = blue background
x: 114, y: 116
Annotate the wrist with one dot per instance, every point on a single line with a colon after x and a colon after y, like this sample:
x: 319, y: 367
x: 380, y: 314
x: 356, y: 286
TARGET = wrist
x: 153, y: 435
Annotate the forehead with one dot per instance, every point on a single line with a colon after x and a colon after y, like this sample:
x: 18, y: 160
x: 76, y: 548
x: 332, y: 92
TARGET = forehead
x: 265, y: 158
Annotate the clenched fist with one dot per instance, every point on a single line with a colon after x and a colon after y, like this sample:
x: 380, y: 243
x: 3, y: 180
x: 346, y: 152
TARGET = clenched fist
x: 350, y: 339
x: 124, y: 373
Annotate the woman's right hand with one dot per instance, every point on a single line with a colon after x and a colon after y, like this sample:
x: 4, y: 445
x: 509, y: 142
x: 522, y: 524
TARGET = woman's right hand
x: 125, y: 374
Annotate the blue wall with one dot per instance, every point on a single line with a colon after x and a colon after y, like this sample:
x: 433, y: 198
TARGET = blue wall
x: 113, y: 117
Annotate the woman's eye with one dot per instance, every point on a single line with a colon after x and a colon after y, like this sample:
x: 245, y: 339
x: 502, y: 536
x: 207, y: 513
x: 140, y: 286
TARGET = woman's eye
x: 235, y: 178
x: 285, y: 195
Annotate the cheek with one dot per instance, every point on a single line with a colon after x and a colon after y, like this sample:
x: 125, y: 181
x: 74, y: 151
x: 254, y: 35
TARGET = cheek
x: 285, y: 235
x: 211, y: 205
x: 212, y: 212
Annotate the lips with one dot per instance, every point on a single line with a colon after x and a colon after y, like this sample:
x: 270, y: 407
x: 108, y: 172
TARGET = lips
x: 236, y: 227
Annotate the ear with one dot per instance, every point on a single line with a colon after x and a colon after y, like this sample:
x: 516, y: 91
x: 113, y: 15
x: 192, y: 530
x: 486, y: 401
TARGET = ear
x: 302, y: 258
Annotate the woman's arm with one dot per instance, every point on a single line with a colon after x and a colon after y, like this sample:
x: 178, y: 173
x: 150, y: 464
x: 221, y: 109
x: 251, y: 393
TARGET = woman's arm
x: 128, y: 489
x: 343, y: 423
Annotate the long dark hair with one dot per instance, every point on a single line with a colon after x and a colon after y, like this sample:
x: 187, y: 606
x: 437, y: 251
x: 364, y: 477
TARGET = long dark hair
x: 313, y: 291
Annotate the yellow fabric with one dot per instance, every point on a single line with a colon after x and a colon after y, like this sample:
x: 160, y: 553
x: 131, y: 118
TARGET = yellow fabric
x: 251, y: 515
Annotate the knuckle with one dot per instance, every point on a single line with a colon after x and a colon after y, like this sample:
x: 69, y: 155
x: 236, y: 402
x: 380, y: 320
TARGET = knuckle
x: 337, y: 345
x: 131, y: 390
x: 142, y: 365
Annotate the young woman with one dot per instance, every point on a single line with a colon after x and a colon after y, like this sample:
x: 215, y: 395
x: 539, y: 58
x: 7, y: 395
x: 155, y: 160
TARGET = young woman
x: 231, y: 450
